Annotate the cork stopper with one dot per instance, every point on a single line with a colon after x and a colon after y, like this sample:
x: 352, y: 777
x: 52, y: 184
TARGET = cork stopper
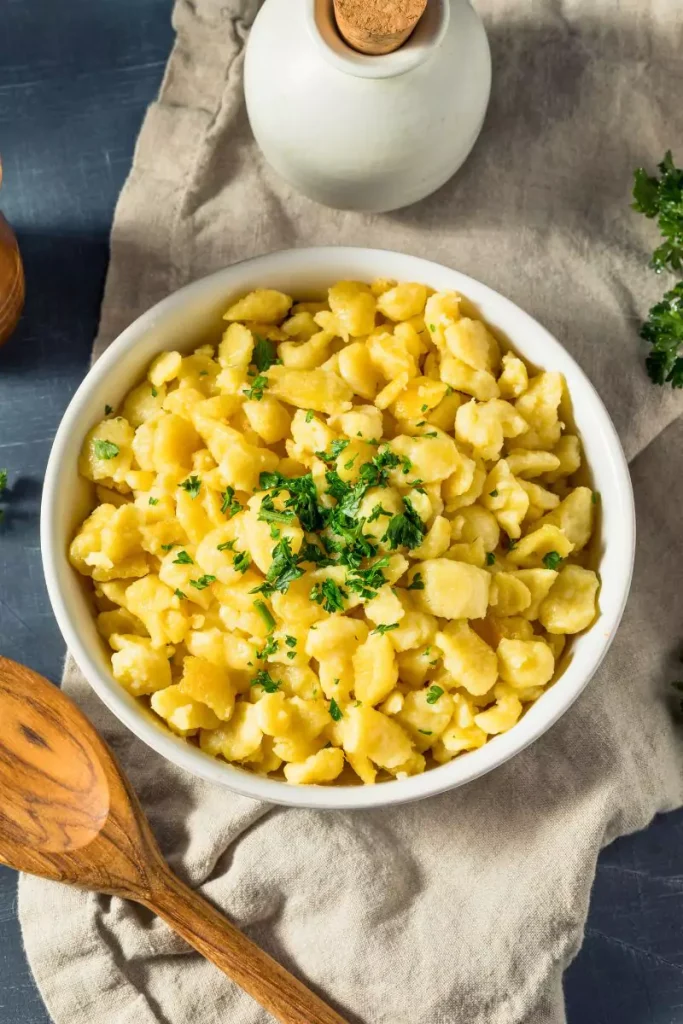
x: 377, y: 26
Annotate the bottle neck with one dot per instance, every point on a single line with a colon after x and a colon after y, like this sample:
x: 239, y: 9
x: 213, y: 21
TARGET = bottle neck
x: 427, y: 36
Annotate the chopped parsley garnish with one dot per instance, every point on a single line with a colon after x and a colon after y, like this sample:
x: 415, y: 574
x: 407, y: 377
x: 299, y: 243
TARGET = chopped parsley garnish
x: 433, y: 693
x: 203, y: 582
x: 336, y: 448
x: 154, y: 501
x: 493, y: 493
x: 367, y: 582
x: 349, y: 464
x: 270, y: 647
x: 509, y: 542
x: 182, y: 558
x: 105, y: 449
x: 424, y: 408
x: 230, y: 506
x: 309, y: 415
x: 417, y: 486
x: 227, y: 545
x: 269, y: 514
x: 268, y: 619
x: 422, y: 423
x: 154, y: 392
x: 302, y: 500
x: 264, y: 355
x: 335, y: 711
x: 242, y: 561
x: 107, y: 410
x: 283, y: 569
x: 262, y: 678
x: 378, y: 511
x: 594, y: 497
x: 329, y: 594
x: 405, y: 529
x: 167, y: 547
x: 290, y: 641
x: 425, y: 732
x: 191, y: 485
x: 291, y: 654
x: 432, y: 327
x: 417, y: 582
x: 490, y: 558
x: 552, y: 560
x: 258, y: 386
x: 383, y: 628
x: 179, y: 593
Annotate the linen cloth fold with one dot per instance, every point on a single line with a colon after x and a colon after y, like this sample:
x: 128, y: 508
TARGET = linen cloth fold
x: 466, y: 908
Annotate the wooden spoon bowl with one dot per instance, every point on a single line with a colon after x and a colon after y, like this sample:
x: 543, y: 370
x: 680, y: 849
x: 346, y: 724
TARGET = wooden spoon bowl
x: 68, y: 813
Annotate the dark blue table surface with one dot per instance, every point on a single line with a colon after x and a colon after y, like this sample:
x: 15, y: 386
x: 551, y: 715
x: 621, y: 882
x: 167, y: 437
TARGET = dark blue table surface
x: 75, y: 79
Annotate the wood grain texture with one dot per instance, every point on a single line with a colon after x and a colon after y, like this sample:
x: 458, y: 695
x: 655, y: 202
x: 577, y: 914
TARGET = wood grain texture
x: 12, y: 287
x: 68, y: 813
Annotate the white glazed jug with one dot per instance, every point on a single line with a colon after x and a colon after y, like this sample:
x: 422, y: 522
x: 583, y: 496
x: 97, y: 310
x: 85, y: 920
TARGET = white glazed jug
x: 359, y: 132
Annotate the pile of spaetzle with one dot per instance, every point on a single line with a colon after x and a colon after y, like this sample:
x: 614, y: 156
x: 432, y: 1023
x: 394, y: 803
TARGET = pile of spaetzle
x: 343, y: 545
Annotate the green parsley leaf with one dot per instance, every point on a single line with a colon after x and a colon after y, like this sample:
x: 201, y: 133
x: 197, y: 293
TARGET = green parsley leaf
x: 432, y: 433
x: 262, y: 678
x: 425, y: 732
x: 107, y: 410
x: 264, y: 612
x: 424, y: 408
x: 378, y: 511
x: 179, y: 593
x: 191, y: 485
x: 405, y: 529
x: 552, y: 560
x: 283, y: 570
x: 264, y: 355
x: 270, y: 647
x: 105, y: 449
x: 182, y: 559
x: 421, y: 423
x: 309, y: 415
x: 242, y: 561
x: 490, y: 558
x: 227, y: 545
x: 230, y: 506
x: 432, y: 327
x: 329, y: 594
x: 367, y: 582
x: 291, y: 654
x: 433, y: 693
x: 258, y: 386
x: 594, y: 497
x: 167, y: 547
x: 664, y: 331
x: 335, y: 711
x: 290, y: 641
x: 417, y: 582
x: 383, y: 628
x: 663, y: 198
x: 349, y: 464
x: 154, y: 501
x: 494, y: 492
x: 269, y: 514
x: 203, y: 582
x: 302, y: 499
x: 154, y: 392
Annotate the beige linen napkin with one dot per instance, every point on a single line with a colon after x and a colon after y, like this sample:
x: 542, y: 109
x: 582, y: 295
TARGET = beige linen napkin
x: 467, y: 907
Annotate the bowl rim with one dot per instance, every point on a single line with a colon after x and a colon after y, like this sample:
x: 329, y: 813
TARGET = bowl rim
x: 436, y: 780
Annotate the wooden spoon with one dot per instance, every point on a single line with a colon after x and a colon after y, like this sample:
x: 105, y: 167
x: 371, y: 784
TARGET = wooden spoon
x: 68, y: 813
x: 11, y: 279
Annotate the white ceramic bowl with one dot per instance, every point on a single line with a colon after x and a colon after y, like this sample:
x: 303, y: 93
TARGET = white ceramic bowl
x: 193, y: 314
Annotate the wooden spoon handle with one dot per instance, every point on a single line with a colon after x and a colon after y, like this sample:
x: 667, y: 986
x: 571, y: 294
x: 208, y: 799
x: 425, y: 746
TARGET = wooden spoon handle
x: 215, y: 938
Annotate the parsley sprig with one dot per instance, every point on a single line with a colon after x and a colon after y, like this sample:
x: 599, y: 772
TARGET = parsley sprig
x: 662, y: 199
